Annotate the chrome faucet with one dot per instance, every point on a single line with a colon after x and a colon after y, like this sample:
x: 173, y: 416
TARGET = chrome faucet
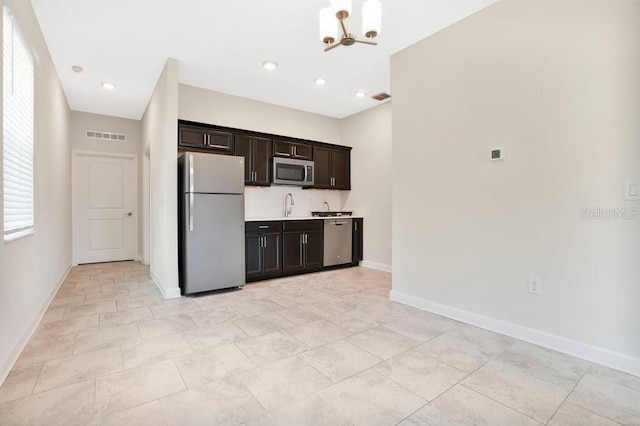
x: 288, y: 207
x: 328, y: 208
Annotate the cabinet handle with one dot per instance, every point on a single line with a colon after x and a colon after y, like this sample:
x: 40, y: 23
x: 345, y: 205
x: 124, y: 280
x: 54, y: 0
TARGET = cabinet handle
x: 355, y: 224
x: 295, y: 151
x: 264, y: 241
x: 263, y: 227
x: 306, y: 238
x: 204, y: 139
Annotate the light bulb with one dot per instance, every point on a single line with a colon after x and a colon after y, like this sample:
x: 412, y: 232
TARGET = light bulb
x: 269, y: 65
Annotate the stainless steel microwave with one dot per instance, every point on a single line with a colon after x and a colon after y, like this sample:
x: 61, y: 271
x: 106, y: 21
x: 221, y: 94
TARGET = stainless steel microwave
x: 288, y: 171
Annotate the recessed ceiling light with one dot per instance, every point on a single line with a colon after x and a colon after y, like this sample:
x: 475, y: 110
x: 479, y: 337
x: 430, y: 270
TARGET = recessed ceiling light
x: 320, y: 81
x: 269, y: 65
x: 108, y: 86
x: 77, y: 68
x: 361, y: 93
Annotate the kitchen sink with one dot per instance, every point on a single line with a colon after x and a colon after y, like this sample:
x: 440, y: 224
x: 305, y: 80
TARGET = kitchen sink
x: 331, y: 214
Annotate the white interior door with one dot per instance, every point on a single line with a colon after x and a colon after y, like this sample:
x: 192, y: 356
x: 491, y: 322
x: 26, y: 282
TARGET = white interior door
x: 105, y: 200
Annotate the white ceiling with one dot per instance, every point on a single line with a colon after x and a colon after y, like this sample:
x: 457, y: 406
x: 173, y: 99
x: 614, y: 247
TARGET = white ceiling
x: 221, y: 45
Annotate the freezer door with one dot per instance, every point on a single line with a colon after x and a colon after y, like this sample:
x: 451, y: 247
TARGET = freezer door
x: 213, y: 253
x: 213, y: 173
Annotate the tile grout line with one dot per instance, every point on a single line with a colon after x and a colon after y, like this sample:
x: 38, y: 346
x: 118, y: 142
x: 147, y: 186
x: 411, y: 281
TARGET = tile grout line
x: 579, y: 406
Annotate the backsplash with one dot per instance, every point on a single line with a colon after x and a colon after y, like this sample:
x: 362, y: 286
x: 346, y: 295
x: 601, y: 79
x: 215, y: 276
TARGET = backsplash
x: 269, y: 201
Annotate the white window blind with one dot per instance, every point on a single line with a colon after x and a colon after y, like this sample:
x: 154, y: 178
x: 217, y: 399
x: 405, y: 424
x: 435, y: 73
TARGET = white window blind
x: 18, y: 92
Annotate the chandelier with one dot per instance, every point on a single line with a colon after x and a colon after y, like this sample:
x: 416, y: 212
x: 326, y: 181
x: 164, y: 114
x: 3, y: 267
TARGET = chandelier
x: 339, y: 13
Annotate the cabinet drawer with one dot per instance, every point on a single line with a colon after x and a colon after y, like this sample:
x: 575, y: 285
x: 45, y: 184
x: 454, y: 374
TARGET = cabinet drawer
x: 302, y: 225
x: 274, y: 226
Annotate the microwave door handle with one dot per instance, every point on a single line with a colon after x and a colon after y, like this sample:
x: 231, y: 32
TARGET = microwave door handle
x: 306, y: 173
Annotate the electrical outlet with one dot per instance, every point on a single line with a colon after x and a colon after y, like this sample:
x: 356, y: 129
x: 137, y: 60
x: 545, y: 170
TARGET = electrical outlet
x: 535, y: 285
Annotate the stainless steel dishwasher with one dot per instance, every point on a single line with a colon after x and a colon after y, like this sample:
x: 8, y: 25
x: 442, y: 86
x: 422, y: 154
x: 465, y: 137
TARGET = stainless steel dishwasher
x: 338, y: 240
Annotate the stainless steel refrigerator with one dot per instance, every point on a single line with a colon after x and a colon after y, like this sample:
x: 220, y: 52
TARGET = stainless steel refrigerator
x: 211, y: 216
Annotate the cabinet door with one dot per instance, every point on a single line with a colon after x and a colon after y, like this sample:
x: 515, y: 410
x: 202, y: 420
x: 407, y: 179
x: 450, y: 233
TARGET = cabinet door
x: 253, y: 255
x: 282, y: 149
x: 292, y: 258
x: 313, y: 250
x: 243, y: 148
x: 272, y: 253
x: 191, y: 136
x: 358, y: 252
x: 219, y: 140
x: 322, y: 167
x: 302, y: 151
x: 340, y: 169
x: 261, y: 161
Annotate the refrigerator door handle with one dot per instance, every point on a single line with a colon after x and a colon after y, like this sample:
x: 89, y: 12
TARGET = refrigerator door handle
x: 191, y: 183
x: 191, y: 212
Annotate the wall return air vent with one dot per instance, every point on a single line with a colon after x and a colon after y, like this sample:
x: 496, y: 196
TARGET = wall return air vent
x: 381, y: 96
x: 106, y: 136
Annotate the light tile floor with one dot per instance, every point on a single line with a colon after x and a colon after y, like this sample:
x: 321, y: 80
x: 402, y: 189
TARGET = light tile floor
x: 324, y: 349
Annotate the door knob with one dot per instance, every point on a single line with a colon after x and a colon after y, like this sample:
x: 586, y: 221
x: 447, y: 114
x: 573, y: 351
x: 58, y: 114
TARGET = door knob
x: 129, y: 214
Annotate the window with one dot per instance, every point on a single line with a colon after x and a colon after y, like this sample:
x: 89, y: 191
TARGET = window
x: 17, y: 165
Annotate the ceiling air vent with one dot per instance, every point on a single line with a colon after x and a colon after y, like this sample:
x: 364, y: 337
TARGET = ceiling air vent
x: 381, y: 96
x: 106, y: 136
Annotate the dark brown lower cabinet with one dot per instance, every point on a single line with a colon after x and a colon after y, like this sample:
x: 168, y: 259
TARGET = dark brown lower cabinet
x: 263, y: 249
x: 358, y: 244
x: 302, y: 245
x: 281, y: 248
x: 263, y: 254
x: 302, y: 251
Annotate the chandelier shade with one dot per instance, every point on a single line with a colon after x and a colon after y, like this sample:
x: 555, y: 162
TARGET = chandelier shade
x: 328, y: 25
x: 371, y: 18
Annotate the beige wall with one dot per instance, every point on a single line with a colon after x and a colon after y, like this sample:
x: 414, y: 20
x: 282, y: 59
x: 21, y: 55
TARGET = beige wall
x: 159, y: 136
x: 369, y: 133
x: 32, y: 267
x: 83, y: 121
x: 557, y: 83
x: 206, y: 106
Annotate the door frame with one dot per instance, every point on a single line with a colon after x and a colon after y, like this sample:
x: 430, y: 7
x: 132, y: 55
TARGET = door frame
x: 75, y: 232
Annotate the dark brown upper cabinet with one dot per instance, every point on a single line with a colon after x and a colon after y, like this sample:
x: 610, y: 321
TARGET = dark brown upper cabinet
x: 290, y: 149
x: 332, y: 162
x: 332, y: 167
x: 204, y: 138
x: 257, y: 155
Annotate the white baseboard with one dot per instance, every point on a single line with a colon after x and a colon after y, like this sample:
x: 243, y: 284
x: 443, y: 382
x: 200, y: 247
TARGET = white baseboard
x: 8, y: 365
x: 377, y: 266
x: 615, y: 360
x: 171, y: 293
